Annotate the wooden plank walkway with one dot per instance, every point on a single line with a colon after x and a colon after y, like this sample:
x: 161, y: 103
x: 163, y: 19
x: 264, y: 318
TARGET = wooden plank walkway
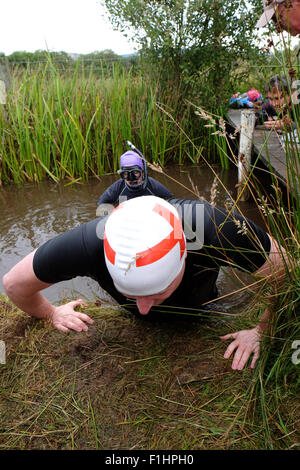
x: 268, y: 146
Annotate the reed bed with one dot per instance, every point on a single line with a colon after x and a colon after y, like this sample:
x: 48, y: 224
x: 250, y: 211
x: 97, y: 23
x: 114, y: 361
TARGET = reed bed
x: 274, y: 387
x: 73, y: 127
x: 74, y: 124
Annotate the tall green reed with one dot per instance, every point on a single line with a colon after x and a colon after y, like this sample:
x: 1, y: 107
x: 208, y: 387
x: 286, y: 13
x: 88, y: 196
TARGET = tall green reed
x: 74, y: 124
x: 280, y: 375
x: 276, y: 377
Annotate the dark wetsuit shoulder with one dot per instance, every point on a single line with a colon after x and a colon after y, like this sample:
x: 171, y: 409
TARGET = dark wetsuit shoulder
x: 227, y: 239
x: 119, y: 189
x: 112, y: 193
x: 70, y: 254
x: 157, y: 189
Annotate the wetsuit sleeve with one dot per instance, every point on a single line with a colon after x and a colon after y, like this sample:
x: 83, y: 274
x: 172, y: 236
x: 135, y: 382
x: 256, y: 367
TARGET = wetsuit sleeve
x: 159, y: 189
x: 111, y: 194
x: 77, y: 252
x: 235, y: 240
x: 269, y: 109
x: 226, y: 239
x: 266, y: 113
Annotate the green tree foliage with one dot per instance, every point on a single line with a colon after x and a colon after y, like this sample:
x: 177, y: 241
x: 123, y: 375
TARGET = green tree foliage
x: 106, y: 60
x: 195, y: 44
x: 23, y: 58
x: 107, y: 55
x: 102, y: 61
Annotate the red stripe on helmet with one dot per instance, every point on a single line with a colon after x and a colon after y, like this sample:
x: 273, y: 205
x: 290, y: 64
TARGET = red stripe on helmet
x: 110, y: 253
x: 159, y: 250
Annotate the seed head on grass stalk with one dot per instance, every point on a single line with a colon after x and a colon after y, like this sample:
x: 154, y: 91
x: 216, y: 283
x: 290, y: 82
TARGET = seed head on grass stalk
x: 267, y: 385
x: 276, y: 367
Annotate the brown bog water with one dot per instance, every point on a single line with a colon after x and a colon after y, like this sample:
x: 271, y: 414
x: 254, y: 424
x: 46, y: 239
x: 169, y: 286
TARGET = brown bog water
x: 32, y: 214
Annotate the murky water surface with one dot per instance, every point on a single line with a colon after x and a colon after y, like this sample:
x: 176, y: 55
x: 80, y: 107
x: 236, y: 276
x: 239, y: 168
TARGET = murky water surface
x: 32, y: 214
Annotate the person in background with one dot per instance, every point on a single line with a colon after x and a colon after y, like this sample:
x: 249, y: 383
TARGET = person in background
x: 278, y: 111
x: 134, y: 182
x: 284, y: 13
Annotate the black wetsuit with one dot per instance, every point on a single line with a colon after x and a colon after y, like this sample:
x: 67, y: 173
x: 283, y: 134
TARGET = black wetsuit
x: 80, y: 252
x: 120, y: 189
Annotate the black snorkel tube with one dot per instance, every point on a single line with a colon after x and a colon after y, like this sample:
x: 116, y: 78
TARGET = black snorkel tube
x: 145, y: 179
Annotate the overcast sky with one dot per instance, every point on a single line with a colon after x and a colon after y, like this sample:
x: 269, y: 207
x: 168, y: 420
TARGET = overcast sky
x: 75, y: 26
x: 60, y: 25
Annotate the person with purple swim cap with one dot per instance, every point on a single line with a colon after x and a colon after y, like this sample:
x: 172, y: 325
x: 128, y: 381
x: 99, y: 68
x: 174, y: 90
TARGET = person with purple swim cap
x: 134, y: 182
x: 132, y: 170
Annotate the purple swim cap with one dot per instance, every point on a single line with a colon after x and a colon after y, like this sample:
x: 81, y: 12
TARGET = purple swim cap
x: 131, y: 158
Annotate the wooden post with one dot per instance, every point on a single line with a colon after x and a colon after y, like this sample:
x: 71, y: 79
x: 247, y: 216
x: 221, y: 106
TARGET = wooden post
x: 245, y: 150
x: 2, y: 105
x: 5, y: 72
x: 2, y: 94
x: 4, y: 86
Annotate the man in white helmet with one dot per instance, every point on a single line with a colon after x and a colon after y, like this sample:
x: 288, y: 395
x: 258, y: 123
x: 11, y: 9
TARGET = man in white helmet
x: 150, y: 254
x: 284, y: 13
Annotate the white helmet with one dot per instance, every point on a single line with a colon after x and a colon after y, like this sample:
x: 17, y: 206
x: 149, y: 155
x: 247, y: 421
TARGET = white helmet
x: 144, y: 245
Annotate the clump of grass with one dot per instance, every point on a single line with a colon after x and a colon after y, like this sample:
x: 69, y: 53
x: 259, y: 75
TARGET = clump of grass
x: 276, y: 380
x: 125, y: 384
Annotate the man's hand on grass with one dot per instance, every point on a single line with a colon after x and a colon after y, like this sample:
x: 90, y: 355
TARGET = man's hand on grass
x: 245, y: 343
x: 66, y: 318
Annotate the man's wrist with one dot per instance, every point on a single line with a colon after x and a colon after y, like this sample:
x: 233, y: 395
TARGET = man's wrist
x: 49, y: 312
x: 263, y: 326
x: 39, y: 307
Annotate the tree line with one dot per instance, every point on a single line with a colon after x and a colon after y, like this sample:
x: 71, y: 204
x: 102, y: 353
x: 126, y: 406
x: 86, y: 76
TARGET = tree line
x: 24, y: 58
